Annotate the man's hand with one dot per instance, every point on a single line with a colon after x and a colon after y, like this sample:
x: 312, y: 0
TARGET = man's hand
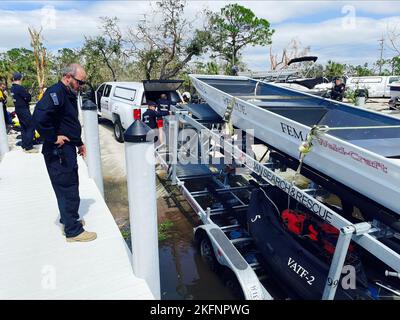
x: 61, y: 140
x: 82, y: 151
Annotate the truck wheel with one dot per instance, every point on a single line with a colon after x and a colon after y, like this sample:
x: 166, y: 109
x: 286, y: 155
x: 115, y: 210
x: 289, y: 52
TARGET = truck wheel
x: 207, y: 253
x: 118, y: 131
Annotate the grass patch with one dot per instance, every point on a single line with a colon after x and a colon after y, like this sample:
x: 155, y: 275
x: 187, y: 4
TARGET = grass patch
x: 126, y: 234
x: 163, y: 230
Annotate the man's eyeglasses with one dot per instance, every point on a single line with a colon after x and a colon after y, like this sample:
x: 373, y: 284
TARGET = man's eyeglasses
x: 80, y: 82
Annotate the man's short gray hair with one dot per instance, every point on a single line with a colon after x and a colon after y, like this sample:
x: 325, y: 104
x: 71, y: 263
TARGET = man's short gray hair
x: 72, y: 69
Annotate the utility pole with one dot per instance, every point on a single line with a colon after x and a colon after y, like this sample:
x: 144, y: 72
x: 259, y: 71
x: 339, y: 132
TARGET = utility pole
x: 381, y: 41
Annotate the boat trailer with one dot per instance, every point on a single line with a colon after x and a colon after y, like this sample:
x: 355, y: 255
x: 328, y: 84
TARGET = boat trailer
x: 220, y: 205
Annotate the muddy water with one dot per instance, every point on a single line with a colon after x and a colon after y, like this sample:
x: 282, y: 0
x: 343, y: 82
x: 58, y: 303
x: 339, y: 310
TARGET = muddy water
x: 183, y: 273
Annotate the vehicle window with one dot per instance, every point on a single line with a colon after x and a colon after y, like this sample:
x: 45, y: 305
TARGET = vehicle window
x: 101, y: 89
x: 144, y: 100
x: 107, y: 91
x: 394, y: 79
x: 367, y: 80
x: 174, y: 97
x: 125, y: 93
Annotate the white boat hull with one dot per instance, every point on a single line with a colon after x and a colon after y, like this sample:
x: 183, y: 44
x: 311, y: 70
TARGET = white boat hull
x: 368, y: 173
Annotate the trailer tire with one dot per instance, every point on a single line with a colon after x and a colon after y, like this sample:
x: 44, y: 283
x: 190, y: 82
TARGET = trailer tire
x: 118, y: 130
x: 207, y: 253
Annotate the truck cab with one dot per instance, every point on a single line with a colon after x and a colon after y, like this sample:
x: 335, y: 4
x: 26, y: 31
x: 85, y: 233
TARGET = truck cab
x: 116, y: 101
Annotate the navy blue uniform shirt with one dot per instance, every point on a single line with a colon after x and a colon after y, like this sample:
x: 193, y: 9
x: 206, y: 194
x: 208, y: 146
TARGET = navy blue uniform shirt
x: 150, y: 117
x: 338, y: 92
x: 20, y: 96
x: 57, y: 114
x: 163, y: 105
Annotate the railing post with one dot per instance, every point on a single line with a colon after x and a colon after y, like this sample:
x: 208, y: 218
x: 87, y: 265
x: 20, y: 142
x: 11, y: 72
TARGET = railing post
x: 173, y: 146
x: 4, y: 148
x: 92, y: 142
x: 142, y: 196
x: 339, y: 257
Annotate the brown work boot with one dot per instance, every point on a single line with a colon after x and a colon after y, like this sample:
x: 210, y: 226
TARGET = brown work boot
x: 63, y: 227
x: 85, y: 236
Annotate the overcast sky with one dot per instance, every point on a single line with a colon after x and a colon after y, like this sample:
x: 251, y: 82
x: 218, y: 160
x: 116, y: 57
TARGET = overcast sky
x: 343, y: 31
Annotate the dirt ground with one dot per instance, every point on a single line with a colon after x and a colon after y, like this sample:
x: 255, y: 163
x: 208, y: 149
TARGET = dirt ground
x: 114, y: 173
x: 381, y: 105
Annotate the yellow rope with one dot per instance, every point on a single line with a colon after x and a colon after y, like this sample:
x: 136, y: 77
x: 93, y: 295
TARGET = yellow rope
x: 306, y: 146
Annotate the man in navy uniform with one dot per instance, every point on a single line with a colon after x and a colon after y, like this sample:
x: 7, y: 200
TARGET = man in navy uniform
x: 21, y: 99
x: 151, y: 115
x: 164, y: 104
x: 338, y: 90
x: 56, y: 119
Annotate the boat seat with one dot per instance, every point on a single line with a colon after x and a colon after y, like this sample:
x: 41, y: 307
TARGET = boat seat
x: 271, y: 97
x: 338, y: 118
x: 389, y: 148
x: 304, y: 115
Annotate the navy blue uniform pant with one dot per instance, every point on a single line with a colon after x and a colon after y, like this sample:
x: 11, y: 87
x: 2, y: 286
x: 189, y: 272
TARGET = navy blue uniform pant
x: 6, y: 115
x: 62, y: 167
x: 27, y: 128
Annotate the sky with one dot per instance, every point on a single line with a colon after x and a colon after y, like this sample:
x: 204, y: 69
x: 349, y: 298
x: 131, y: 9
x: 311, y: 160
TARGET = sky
x: 342, y: 31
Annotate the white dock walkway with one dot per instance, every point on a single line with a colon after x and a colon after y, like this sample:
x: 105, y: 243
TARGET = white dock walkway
x: 36, y: 262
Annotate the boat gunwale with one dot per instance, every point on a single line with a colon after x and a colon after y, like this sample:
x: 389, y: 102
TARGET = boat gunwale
x: 223, y: 77
x: 335, y: 139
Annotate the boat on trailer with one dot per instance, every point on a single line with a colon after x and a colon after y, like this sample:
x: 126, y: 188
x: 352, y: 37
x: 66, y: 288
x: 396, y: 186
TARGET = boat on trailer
x: 356, y: 148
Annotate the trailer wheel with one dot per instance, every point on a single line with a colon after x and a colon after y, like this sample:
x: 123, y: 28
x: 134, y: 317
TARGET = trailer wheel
x: 118, y: 131
x: 231, y: 282
x: 207, y: 253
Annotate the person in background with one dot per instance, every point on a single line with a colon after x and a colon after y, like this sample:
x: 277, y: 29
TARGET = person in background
x: 338, y: 90
x: 21, y: 99
x: 57, y: 119
x: 3, y: 99
x: 151, y: 115
x: 163, y: 104
x: 235, y: 70
x: 186, y: 97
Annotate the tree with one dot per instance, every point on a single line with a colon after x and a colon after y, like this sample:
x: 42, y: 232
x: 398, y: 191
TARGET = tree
x: 206, y: 68
x: 293, y: 50
x: 165, y: 48
x: 19, y: 60
x: 234, y: 28
x: 396, y: 65
x: 363, y: 71
x: 5, y: 68
x: 334, y: 69
x: 40, y: 54
x: 316, y: 71
x: 65, y: 57
x: 393, y: 34
x: 107, y: 48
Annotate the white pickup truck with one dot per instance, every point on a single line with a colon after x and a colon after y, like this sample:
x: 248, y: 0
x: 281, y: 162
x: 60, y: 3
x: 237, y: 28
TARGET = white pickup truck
x: 377, y: 86
x: 116, y: 101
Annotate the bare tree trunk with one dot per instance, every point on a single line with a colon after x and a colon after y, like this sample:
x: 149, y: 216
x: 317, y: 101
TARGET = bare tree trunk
x: 40, y: 55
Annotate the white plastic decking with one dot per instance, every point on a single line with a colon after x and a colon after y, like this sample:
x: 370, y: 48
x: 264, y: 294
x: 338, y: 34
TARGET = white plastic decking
x: 36, y: 262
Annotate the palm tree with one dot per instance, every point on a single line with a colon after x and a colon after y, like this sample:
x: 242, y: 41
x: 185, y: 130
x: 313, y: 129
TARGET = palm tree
x: 334, y: 69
